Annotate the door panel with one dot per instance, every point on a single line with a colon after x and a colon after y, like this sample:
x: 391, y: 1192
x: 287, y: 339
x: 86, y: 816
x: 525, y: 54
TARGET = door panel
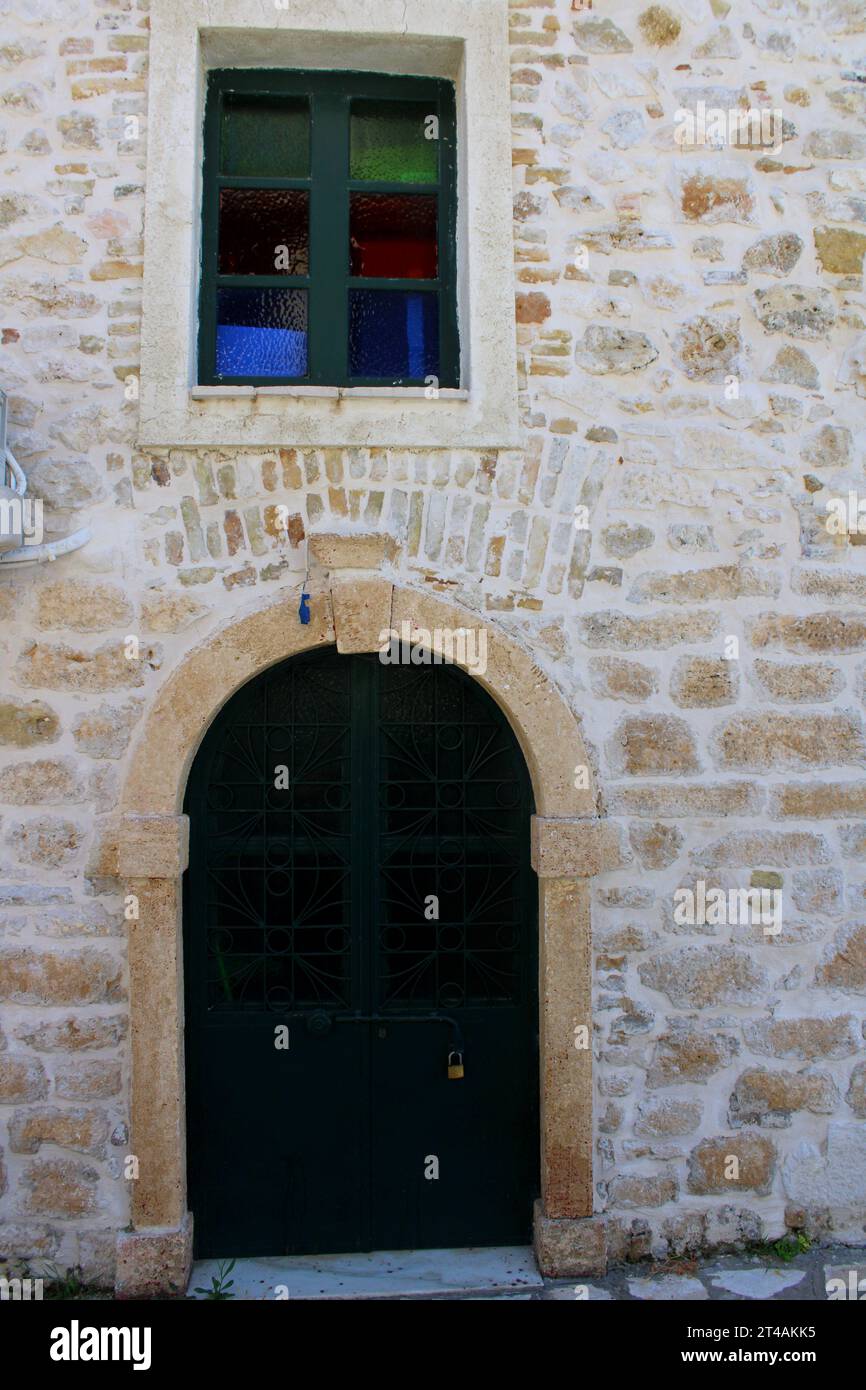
x: 472, y: 1127
x: 359, y: 875
x: 252, y: 1184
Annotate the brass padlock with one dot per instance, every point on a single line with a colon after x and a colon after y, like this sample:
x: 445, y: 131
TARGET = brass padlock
x: 455, y: 1069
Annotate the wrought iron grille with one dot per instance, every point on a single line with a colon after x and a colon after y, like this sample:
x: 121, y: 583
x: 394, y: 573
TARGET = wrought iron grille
x: 339, y: 799
x: 452, y: 813
x: 277, y: 902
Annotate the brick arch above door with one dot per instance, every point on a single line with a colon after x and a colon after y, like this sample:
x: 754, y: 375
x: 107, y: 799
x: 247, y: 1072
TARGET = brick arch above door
x: 352, y: 604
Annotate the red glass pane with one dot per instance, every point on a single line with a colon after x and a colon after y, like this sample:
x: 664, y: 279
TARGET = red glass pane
x: 393, y: 236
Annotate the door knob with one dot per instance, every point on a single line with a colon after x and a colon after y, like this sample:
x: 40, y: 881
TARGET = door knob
x: 319, y: 1023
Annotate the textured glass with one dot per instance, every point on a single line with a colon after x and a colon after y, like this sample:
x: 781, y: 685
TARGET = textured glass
x: 393, y: 334
x: 389, y: 142
x: 261, y: 333
x: 265, y: 137
x: 264, y: 231
x: 393, y: 236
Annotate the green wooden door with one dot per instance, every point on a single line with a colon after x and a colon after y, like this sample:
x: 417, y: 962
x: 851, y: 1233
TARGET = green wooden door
x: 360, y: 890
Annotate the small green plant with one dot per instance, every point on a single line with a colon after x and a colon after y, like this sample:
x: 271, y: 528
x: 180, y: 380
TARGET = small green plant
x: 790, y: 1246
x: 787, y: 1248
x: 220, y: 1283
x: 60, y: 1285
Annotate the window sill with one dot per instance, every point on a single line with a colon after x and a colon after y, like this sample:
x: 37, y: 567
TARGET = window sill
x: 330, y: 393
x: 321, y: 416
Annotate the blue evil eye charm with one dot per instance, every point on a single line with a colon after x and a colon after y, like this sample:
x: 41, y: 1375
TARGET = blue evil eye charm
x: 304, y: 609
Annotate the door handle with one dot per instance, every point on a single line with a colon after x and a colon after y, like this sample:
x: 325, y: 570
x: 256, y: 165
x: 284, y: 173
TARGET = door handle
x: 320, y: 1022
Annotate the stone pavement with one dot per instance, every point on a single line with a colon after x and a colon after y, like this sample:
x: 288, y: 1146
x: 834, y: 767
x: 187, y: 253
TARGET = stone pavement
x: 730, y: 1278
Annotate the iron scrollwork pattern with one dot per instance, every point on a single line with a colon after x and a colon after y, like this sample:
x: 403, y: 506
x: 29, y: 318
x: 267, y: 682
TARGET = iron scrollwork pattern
x: 365, y: 842
x: 278, y: 844
x: 452, y: 807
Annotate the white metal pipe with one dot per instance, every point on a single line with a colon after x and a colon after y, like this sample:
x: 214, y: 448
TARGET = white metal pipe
x: 19, y: 480
x: 48, y: 550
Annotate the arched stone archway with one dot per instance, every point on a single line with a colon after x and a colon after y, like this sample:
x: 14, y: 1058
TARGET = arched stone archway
x: 351, y: 606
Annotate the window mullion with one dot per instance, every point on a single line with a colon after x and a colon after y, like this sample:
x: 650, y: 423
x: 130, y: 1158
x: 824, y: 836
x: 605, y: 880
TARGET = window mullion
x: 328, y: 310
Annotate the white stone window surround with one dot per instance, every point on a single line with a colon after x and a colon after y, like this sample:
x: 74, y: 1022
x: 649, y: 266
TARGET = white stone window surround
x: 464, y: 40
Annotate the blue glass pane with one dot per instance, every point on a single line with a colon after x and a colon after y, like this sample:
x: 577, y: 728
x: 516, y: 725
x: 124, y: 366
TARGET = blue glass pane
x: 393, y: 334
x: 261, y: 333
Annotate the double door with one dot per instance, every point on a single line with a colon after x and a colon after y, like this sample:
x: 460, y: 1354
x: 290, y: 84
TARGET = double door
x: 359, y: 922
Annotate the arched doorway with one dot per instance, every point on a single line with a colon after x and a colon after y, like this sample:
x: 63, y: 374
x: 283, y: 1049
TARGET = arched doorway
x: 359, y: 912
x: 147, y: 850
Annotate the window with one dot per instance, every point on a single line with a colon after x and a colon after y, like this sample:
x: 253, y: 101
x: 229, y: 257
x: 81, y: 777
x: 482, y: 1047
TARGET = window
x: 328, y: 231
x: 452, y: 57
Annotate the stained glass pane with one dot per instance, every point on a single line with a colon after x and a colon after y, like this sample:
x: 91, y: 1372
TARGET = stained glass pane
x: 264, y: 231
x: 393, y: 236
x: 393, y: 334
x: 261, y: 333
x: 394, y: 142
x: 265, y: 137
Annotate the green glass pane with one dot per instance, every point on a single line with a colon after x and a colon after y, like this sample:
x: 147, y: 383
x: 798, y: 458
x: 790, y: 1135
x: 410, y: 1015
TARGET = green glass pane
x: 265, y: 137
x: 394, y: 141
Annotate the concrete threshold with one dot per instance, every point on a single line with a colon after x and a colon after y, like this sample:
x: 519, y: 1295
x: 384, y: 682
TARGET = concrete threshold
x: 382, y: 1274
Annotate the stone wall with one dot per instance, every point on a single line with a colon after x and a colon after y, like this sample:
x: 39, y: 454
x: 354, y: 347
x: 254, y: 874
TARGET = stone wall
x: 690, y: 336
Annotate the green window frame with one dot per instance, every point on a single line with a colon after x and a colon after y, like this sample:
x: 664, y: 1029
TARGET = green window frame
x: 329, y: 281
